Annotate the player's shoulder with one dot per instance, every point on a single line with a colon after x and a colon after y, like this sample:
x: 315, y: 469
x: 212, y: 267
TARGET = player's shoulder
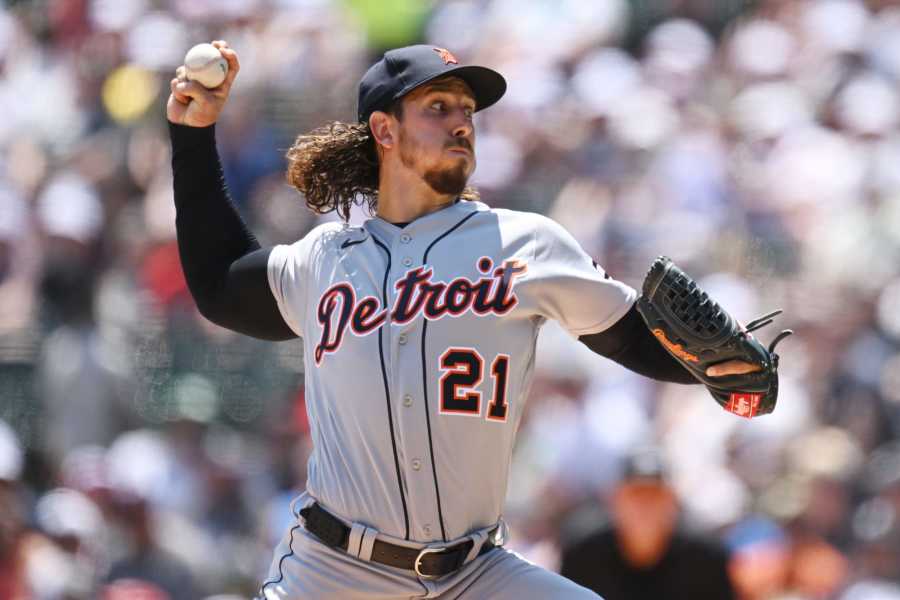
x: 543, y: 230
x: 321, y: 241
x: 520, y: 216
x: 535, y: 223
x: 330, y: 230
x: 331, y: 234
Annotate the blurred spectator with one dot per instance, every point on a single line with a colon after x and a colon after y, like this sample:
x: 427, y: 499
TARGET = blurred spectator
x: 818, y: 569
x: 133, y: 589
x: 13, y: 532
x: 641, y: 554
x: 872, y: 590
x: 75, y: 551
x: 142, y: 474
x: 143, y: 559
x: 760, y: 559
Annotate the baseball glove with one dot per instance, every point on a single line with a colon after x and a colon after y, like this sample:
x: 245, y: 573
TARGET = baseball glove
x: 699, y: 333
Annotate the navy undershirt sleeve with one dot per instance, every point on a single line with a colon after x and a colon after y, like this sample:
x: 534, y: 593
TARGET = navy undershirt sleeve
x: 225, y: 267
x: 630, y: 343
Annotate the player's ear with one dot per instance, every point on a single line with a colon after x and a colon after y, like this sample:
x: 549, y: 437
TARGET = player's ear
x: 380, y: 124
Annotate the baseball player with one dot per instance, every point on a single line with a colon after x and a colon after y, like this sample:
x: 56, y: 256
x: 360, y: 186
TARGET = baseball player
x: 418, y: 329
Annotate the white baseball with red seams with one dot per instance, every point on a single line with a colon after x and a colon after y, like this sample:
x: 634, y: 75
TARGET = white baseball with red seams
x: 205, y: 64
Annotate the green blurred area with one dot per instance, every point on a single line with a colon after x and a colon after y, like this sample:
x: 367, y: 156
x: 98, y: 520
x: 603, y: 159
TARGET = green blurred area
x: 390, y: 23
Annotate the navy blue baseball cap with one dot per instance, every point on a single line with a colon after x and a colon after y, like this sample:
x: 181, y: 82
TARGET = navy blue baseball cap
x: 403, y: 69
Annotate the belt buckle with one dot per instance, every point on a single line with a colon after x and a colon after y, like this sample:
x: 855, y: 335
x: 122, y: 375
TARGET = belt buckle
x: 500, y: 535
x: 422, y: 553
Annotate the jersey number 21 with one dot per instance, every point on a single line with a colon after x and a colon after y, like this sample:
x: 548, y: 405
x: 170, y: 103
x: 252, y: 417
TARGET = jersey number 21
x: 463, y: 370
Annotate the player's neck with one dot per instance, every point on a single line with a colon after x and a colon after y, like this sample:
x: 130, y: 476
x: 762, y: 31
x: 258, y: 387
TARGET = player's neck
x: 403, y: 197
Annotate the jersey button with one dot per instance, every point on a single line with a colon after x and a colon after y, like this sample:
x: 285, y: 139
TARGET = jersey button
x: 407, y: 400
x: 416, y: 464
x: 405, y: 238
x: 401, y: 339
x: 407, y: 261
x: 427, y: 530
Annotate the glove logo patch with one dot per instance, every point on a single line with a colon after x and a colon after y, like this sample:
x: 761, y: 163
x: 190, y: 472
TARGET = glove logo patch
x: 674, y: 348
x: 744, y: 404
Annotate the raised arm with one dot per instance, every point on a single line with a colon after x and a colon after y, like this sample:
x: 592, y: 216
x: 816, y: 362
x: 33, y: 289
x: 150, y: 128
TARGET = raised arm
x: 225, y: 267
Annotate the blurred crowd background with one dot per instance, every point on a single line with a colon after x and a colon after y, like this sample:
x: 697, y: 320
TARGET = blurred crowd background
x: 145, y: 453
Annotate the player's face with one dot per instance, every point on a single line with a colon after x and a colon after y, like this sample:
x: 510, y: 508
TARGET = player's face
x: 437, y: 137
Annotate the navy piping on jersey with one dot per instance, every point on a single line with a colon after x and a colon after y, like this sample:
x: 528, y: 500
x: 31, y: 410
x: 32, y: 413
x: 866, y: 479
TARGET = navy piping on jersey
x: 262, y: 590
x: 349, y: 243
x: 387, y: 393
x: 437, y: 491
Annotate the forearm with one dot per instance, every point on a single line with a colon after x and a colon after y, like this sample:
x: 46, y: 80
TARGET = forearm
x: 630, y: 343
x: 223, y: 263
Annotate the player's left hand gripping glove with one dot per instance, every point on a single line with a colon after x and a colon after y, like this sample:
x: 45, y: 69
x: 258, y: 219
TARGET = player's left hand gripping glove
x: 699, y: 333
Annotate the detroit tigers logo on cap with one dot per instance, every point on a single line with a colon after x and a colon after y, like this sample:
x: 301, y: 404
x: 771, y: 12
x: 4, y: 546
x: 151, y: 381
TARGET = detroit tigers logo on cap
x: 446, y: 56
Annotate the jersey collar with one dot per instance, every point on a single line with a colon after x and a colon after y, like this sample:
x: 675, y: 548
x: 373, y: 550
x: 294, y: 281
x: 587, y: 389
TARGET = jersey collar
x: 429, y: 225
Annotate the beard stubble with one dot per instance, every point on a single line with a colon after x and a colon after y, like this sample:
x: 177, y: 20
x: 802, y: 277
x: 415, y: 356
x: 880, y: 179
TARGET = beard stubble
x: 449, y: 181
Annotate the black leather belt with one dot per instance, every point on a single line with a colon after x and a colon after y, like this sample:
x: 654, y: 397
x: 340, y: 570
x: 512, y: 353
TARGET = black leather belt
x: 429, y: 563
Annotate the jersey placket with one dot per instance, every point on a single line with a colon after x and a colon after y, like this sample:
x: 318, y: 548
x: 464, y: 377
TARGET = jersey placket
x: 412, y: 415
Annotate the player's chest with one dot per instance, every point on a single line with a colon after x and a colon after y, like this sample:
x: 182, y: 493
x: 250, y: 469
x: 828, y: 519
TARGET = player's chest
x: 464, y: 290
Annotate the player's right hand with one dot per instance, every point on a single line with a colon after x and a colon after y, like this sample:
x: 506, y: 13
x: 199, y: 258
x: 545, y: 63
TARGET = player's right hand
x: 192, y: 104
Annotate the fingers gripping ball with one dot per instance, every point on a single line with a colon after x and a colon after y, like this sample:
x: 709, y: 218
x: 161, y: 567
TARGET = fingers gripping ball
x: 699, y: 333
x: 205, y: 64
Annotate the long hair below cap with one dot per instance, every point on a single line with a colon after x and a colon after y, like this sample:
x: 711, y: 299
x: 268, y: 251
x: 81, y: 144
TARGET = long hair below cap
x: 336, y: 166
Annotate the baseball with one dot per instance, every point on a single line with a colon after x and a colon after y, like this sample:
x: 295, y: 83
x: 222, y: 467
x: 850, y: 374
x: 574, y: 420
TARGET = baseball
x: 205, y: 64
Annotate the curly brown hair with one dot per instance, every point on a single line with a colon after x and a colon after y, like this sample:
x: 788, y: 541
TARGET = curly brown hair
x: 336, y: 166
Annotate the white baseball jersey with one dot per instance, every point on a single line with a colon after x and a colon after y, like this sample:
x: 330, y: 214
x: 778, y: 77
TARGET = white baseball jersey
x: 419, y: 346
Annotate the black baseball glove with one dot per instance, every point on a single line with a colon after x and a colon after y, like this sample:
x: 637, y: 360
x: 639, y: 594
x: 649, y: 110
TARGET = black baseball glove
x: 699, y: 333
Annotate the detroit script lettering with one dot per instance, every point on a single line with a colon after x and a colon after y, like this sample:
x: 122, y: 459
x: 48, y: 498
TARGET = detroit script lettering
x: 339, y: 308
